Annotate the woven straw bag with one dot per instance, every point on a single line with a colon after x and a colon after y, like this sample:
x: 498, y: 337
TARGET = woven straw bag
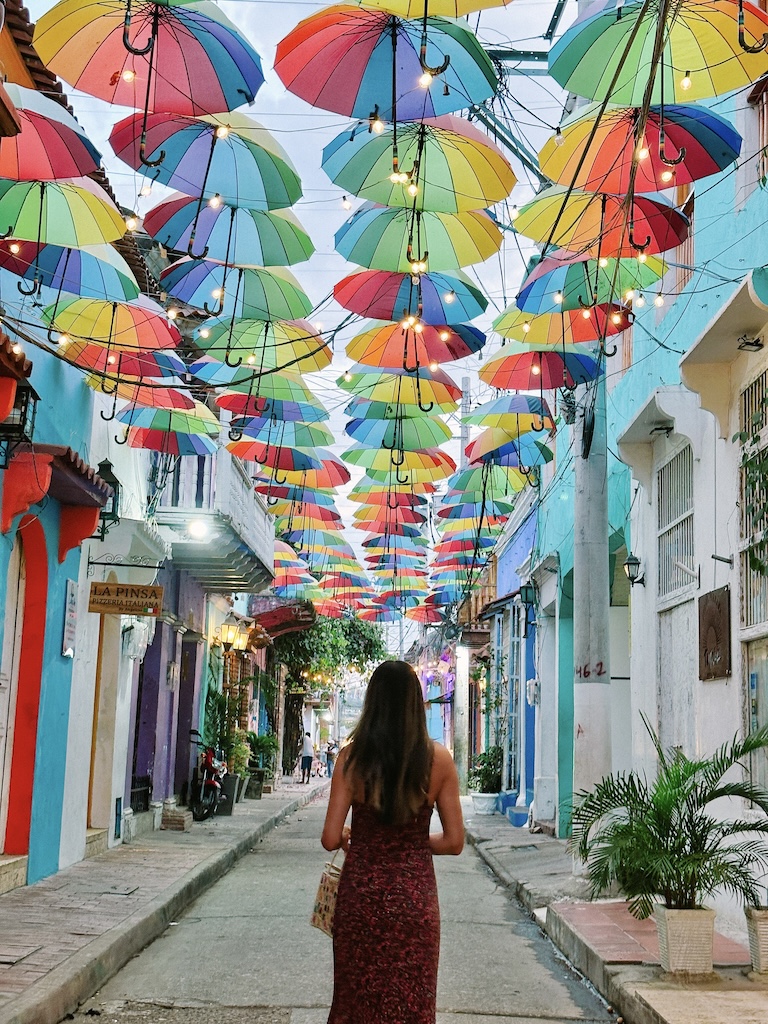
x: 325, y: 901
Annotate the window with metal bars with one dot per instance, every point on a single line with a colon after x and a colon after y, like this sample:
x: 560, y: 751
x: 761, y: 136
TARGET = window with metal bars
x: 685, y: 255
x: 675, y: 523
x: 753, y: 497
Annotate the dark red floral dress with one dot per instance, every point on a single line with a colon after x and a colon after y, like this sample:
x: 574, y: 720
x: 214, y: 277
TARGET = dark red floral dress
x: 386, y: 930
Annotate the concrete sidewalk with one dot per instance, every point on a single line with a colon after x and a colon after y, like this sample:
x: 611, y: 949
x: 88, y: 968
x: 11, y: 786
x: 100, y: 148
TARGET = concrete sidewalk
x: 617, y: 953
x: 63, y: 937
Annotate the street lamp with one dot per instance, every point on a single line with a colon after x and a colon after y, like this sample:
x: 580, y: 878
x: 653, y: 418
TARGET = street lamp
x: 632, y: 570
x: 19, y: 424
x: 109, y: 515
x: 528, y: 600
x: 230, y: 628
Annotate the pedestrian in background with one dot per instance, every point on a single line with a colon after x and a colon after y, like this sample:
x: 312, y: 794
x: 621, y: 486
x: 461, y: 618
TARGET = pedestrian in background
x: 307, y: 756
x: 386, y: 932
x: 330, y: 756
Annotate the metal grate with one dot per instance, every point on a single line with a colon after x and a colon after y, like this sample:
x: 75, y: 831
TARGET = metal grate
x: 675, y: 523
x: 141, y: 788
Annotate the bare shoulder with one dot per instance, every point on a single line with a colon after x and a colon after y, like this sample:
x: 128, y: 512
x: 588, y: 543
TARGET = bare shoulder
x: 442, y: 768
x: 442, y: 757
x: 343, y: 756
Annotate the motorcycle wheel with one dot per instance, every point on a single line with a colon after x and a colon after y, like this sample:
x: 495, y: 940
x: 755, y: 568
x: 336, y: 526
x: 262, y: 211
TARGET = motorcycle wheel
x: 205, y: 804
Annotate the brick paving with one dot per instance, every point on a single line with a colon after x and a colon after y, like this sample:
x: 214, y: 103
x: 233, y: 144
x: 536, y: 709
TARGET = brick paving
x: 44, y: 924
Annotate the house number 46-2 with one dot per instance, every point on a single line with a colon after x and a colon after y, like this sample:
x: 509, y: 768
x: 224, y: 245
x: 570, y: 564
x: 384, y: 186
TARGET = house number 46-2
x: 589, y: 670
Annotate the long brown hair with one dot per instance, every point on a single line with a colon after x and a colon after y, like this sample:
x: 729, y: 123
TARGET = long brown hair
x: 390, y: 754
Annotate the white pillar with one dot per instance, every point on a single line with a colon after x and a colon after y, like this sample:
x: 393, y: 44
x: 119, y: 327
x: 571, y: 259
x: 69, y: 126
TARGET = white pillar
x: 461, y: 716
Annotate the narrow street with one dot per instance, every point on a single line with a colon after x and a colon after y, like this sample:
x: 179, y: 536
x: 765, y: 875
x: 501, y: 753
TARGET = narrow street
x: 244, y: 953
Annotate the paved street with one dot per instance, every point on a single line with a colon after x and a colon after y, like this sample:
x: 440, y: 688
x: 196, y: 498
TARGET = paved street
x: 244, y: 952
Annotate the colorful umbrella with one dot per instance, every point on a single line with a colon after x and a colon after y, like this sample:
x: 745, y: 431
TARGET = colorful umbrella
x: 246, y: 407
x: 426, y: 616
x: 241, y: 292
x: 399, y: 434
x: 333, y: 473
x: 397, y: 385
x: 58, y: 213
x: 435, y: 299
x: 414, y: 344
x: 702, y: 141
x: 224, y: 158
x: 186, y: 58
x: 283, y: 386
x: 171, y: 443
x: 492, y: 479
x: 386, y: 238
x: 51, y: 143
x: 199, y: 420
x: 494, y: 443
x: 264, y: 344
x: 563, y: 281
x: 387, y: 481
x: 96, y: 271
x: 295, y: 495
x: 378, y: 513
x: 345, y: 59
x: 138, y: 326
x: 702, y: 57
x: 305, y: 509
x: 430, y: 460
x: 123, y: 364
x: 371, y: 494
x: 399, y: 409
x: 601, y: 224
x: 274, y: 432
x: 230, y: 234
x: 441, y: 164
x: 521, y: 412
x: 521, y: 368
x: 144, y: 392
x: 277, y: 457
x: 379, y: 615
x: 567, y: 328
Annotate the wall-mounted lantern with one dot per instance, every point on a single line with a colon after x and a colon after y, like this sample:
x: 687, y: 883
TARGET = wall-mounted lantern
x: 110, y: 512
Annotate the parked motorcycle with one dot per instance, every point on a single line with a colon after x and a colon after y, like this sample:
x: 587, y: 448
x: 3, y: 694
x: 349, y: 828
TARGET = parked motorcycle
x: 206, y: 791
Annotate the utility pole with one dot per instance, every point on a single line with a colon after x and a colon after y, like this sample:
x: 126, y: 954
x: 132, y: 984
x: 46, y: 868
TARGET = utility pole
x: 464, y: 429
x: 591, y: 594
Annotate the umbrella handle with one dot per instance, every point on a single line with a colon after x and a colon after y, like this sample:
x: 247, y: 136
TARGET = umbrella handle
x: 7, y: 234
x: 35, y: 289
x: 669, y: 161
x: 393, y: 508
x: 272, y: 500
x: 214, y: 312
x: 280, y: 482
x: 125, y: 438
x: 638, y: 246
x: 138, y: 51
x: 588, y: 305
x: 196, y: 255
x: 609, y: 351
x: 114, y: 408
x: 235, y: 434
x: 399, y: 461
x: 758, y: 47
x: 143, y: 155
x: 229, y: 362
x: 402, y: 479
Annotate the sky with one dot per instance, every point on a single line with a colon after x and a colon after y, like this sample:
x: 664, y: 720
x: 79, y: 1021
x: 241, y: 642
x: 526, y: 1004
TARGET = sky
x: 535, y: 103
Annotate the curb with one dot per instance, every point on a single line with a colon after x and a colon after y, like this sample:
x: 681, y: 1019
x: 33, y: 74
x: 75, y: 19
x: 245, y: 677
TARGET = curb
x: 61, y: 991
x: 521, y: 890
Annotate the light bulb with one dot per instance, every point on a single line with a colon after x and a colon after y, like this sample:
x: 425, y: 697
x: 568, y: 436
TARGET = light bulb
x: 535, y: 370
x: 347, y: 376
x: 172, y: 314
x: 128, y: 75
x: 659, y: 300
x: 558, y: 297
x: 15, y: 248
x: 415, y: 267
x: 422, y: 267
x: 413, y: 189
x: 204, y: 332
x: 146, y: 190
x: 642, y: 153
x: 222, y: 131
x: 405, y: 324
x: 433, y: 366
x: 630, y: 295
x: 559, y: 138
x: 685, y: 82
x: 17, y: 349
x: 418, y: 328
x: 403, y: 178
x: 215, y: 202
x: 111, y: 360
x: 526, y: 327
x: 585, y: 314
x: 377, y: 126
x: 445, y: 335
x: 217, y: 293
x: 639, y: 302
x: 603, y: 262
x: 251, y: 360
x: 394, y: 177
x: 426, y: 80
x: 63, y: 339
x: 449, y: 297
x: 642, y: 257
x: 131, y: 223
x: 514, y: 213
x: 346, y: 203
x: 667, y: 176
x: 616, y: 318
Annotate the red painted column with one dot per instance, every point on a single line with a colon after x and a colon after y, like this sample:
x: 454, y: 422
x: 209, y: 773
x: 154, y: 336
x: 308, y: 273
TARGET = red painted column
x: 28, y: 692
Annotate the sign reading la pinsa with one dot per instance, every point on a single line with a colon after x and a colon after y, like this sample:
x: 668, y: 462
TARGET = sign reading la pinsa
x: 125, y: 599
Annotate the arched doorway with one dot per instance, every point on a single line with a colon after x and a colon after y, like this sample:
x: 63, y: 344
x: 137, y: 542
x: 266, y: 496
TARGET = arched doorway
x: 22, y: 660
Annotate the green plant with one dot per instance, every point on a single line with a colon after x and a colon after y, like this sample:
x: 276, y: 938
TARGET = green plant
x: 241, y: 753
x: 215, y: 722
x: 659, y: 842
x: 264, y: 750
x: 485, y: 771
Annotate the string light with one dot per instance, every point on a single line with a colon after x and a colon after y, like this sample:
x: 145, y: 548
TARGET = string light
x: 585, y: 314
x: 63, y: 339
x: 131, y: 223
x: 15, y: 248
x: 17, y: 349
x: 418, y: 328
x: 616, y: 318
x: 603, y: 261
x: 685, y: 82
x: 128, y: 75
x: 426, y: 80
x: 667, y: 176
x: 535, y: 370
x: 204, y: 332
x: 445, y: 335
x: 559, y: 137
x: 642, y: 257
x: 433, y: 366
x: 377, y: 125
x: 172, y: 314
x: 643, y: 153
x: 526, y: 327
x: 217, y: 293
x: 146, y: 190
x: 630, y: 295
x: 215, y: 201
x: 111, y: 360
x: 251, y: 360
x: 449, y: 297
x: 514, y: 213
x: 413, y: 189
x: 222, y: 131
x: 346, y: 203
x: 639, y: 301
x: 659, y: 300
x: 558, y: 297
x: 347, y: 376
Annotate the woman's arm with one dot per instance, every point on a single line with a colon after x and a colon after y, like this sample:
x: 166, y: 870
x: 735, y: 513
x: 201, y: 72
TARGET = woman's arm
x: 451, y: 839
x: 335, y: 834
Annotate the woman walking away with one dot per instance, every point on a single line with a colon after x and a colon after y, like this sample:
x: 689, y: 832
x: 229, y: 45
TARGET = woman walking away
x: 386, y: 937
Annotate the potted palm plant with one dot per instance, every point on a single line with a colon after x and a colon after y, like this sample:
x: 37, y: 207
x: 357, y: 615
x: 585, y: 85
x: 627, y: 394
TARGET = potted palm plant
x: 485, y: 779
x: 667, y: 852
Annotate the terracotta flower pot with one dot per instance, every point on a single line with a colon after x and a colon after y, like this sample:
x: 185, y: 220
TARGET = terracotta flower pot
x: 686, y: 939
x: 757, y: 926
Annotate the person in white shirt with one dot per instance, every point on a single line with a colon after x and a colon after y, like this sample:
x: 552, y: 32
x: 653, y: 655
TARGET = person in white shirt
x: 307, y: 756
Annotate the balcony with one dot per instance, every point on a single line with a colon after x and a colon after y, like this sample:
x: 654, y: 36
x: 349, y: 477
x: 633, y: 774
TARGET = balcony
x: 220, y: 530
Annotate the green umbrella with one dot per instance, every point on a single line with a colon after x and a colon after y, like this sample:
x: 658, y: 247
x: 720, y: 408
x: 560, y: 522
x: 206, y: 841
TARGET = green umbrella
x: 58, y: 213
x: 402, y: 434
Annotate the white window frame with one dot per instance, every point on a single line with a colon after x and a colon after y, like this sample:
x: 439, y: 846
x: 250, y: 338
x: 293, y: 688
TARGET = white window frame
x: 675, y: 538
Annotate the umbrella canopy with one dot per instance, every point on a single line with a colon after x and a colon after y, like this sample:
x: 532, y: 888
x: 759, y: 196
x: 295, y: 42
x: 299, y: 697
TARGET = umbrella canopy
x: 399, y: 409
x: 518, y: 412
x: 123, y: 364
x: 414, y: 344
x: 276, y: 432
x: 521, y: 368
x: 229, y: 158
x: 251, y: 292
x: 246, y: 407
x: 138, y: 326
x: 494, y: 480
x: 58, y: 213
x: 283, y: 386
x: 230, y: 234
x: 198, y: 62
x: 477, y: 510
x: 380, y: 513
x: 432, y: 461
x: 399, y: 434
x: 564, y: 281
x: 387, y: 238
x: 265, y: 344
x: 144, y: 392
x: 198, y: 420
x: 278, y: 492
x: 567, y: 328
x: 702, y: 55
x: 442, y: 164
x: 436, y: 298
x: 705, y: 142
x: 433, y: 387
x: 494, y: 442
x: 345, y: 59
x: 332, y: 474
x: 600, y: 224
x: 95, y: 272
x: 51, y: 143
x: 372, y: 494
x: 426, y: 615
x: 379, y: 615
x: 171, y: 443
x: 282, y: 457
